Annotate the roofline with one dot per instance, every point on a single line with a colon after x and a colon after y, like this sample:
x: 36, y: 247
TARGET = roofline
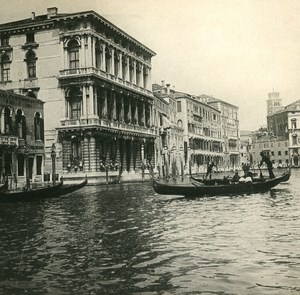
x: 12, y: 94
x: 70, y: 15
x: 198, y: 101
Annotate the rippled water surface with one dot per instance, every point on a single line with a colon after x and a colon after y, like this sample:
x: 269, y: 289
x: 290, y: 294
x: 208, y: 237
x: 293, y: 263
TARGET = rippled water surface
x: 128, y: 240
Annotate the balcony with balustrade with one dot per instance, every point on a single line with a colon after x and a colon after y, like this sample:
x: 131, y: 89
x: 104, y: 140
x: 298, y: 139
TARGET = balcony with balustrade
x: 100, y: 74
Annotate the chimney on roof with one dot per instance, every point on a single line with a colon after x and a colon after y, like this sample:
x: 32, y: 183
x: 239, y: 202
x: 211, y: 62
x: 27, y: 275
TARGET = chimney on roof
x: 163, y: 83
x: 168, y: 88
x: 33, y: 15
x: 51, y: 12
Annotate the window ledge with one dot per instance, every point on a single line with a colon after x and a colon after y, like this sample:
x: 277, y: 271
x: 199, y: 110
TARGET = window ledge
x: 30, y: 45
x: 5, y: 82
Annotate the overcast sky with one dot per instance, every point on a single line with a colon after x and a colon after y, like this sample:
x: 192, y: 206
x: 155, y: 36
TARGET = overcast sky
x: 235, y: 50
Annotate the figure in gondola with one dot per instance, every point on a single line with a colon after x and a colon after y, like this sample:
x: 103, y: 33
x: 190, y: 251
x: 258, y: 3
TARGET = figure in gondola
x: 209, y: 170
x: 266, y: 159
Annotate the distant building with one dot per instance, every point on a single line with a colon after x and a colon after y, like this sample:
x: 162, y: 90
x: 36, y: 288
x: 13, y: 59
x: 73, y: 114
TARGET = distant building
x: 285, y: 124
x: 202, y: 131
x: 277, y: 148
x: 21, y: 138
x: 229, y: 129
x: 170, y: 149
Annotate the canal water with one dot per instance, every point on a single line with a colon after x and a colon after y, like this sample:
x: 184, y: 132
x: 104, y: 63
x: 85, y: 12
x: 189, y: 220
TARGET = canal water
x: 125, y: 239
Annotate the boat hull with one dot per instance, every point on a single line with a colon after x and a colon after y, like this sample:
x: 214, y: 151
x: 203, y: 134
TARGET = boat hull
x: 52, y: 191
x: 199, y: 189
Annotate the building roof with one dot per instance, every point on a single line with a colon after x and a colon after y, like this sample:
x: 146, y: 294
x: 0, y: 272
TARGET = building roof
x: 295, y: 106
x: 211, y: 99
x: 6, y: 93
x: 45, y: 19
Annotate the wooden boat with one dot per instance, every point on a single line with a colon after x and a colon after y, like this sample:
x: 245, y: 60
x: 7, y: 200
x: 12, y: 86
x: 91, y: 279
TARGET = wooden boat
x: 4, y: 187
x: 69, y: 188
x: 30, y: 194
x: 195, y: 188
x: 49, y: 191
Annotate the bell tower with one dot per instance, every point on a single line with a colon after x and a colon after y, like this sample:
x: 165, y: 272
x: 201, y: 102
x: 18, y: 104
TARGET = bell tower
x: 274, y: 103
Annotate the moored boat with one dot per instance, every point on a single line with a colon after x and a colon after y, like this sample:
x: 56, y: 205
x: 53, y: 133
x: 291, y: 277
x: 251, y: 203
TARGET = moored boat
x: 198, y: 189
x: 47, y: 191
x: 4, y: 187
x: 69, y: 188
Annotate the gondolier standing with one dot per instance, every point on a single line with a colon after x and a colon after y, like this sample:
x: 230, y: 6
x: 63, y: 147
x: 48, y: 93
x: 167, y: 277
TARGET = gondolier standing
x: 266, y: 159
x: 209, y: 169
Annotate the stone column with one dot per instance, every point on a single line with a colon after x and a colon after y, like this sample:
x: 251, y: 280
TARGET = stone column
x: 63, y: 55
x: 127, y: 69
x: 112, y: 64
x: 104, y: 105
x: 92, y: 153
x: 122, y: 108
x: 114, y: 106
x: 103, y: 62
x: 134, y: 73
x: 142, y: 76
x: 91, y: 100
x: 93, y: 51
x: 85, y: 153
x: 131, y: 169
x: 84, y: 101
x: 129, y: 111
x: 95, y: 101
x: 120, y: 72
x: 89, y: 62
x: 82, y: 53
x: 143, y: 114
x: 149, y: 80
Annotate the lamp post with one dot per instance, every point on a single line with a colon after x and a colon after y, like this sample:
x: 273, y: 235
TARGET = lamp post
x: 26, y: 154
x: 53, y: 157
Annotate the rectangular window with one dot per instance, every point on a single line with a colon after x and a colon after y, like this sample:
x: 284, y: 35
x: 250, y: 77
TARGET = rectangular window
x: 39, y: 160
x: 5, y: 72
x: 178, y: 106
x: 31, y: 69
x: 76, y: 109
x: 272, y: 153
x: 30, y: 37
x: 279, y: 153
x: 286, y: 153
x: 20, y: 165
x: 5, y: 41
x: 74, y: 59
x: 294, y: 140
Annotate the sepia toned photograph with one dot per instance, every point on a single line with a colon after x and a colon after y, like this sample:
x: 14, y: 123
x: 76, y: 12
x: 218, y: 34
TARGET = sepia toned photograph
x: 149, y: 147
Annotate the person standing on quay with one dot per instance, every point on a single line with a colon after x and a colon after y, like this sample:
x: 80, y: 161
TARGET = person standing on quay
x: 266, y: 159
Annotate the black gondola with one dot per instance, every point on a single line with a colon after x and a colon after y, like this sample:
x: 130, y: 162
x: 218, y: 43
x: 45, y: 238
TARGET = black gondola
x: 69, y: 188
x: 198, y: 189
x: 50, y: 191
x: 4, y: 187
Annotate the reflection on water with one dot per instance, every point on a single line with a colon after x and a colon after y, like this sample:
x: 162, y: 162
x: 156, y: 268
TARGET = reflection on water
x: 128, y: 240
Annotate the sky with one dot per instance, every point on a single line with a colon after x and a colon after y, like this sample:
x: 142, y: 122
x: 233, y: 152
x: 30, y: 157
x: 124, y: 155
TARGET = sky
x: 234, y: 50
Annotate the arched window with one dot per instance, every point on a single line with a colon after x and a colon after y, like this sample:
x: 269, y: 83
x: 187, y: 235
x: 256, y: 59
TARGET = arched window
x: 20, y: 124
x: 75, y: 100
x: 31, y: 64
x: 179, y: 123
x: 5, y: 68
x: 38, y: 127
x: 73, y: 51
x: 7, y: 121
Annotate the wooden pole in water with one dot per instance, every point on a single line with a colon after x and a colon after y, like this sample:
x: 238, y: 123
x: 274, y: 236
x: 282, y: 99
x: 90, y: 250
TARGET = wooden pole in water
x: 53, y: 157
